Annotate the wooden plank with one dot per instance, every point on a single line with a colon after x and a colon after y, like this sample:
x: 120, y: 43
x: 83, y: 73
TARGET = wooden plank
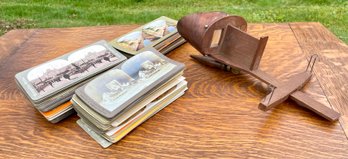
x: 216, y: 118
x: 332, y: 68
x: 326, y: 112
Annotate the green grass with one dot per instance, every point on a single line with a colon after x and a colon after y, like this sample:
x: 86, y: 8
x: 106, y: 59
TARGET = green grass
x: 69, y: 13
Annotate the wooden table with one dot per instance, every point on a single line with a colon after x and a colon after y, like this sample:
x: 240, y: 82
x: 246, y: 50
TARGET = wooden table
x: 217, y: 117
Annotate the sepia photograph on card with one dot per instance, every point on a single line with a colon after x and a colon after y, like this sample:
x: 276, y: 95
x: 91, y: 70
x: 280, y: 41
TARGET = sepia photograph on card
x: 147, y: 35
x: 67, y: 70
x: 118, y: 88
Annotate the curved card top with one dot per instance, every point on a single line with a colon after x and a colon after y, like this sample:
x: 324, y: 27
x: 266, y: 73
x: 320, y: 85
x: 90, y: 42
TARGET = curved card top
x: 120, y: 87
x: 56, y: 75
x: 147, y: 35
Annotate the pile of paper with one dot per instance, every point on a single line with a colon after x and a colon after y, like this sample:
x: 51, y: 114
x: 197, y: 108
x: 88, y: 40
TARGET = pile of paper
x: 117, y: 101
x: 160, y: 34
x: 50, y: 86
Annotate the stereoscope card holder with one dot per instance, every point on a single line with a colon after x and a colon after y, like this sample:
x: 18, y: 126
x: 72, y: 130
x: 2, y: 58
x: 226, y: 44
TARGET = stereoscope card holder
x: 223, y: 41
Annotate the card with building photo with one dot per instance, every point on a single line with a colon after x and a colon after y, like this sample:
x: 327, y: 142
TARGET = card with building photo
x: 67, y: 70
x: 117, y: 88
x: 147, y: 35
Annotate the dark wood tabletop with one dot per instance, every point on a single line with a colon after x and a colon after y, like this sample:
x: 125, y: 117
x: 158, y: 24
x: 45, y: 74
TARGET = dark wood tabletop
x: 218, y: 115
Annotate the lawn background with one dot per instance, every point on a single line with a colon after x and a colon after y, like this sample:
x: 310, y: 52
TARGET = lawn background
x: 71, y: 13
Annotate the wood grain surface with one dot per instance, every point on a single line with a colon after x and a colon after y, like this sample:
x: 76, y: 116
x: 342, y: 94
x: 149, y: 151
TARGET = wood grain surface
x: 216, y: 118
x: 332, y: 68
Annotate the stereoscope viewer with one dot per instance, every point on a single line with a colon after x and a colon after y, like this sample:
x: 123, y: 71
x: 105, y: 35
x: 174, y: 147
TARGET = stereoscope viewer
x: 223, y: 41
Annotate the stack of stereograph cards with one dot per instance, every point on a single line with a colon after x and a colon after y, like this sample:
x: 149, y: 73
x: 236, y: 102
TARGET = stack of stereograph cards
x: 160, y: 34
x: 51, y: 85
x: 117, y: 101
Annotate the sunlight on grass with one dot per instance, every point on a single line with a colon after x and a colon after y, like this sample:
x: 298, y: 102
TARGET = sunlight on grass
x: 69, y: 13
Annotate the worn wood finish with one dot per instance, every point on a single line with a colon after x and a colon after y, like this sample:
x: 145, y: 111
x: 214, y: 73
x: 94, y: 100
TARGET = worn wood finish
x: 302, y: 99
x: 199, y: 28
x: 283, y: 91
x: 217, y: 117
